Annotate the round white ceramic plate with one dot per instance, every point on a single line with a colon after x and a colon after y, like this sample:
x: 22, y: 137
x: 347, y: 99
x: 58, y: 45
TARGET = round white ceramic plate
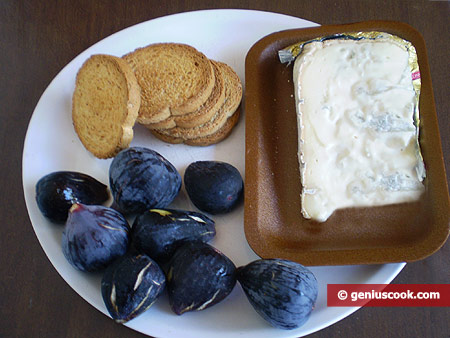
x: 51, y: 144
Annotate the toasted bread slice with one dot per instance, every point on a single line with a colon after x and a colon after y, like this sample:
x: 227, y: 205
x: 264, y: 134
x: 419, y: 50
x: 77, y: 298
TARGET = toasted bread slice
x: 204, y: 113
x: 105, y: 105
x: 175, y: 79
x: 233, y: 97
x: 204, y: 141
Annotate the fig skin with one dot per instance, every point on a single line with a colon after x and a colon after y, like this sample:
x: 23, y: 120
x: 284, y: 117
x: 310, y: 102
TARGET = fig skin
x: 141, y: 179
x: 282, y: 292
x: 57, y: 191
x: 199, y: 276
x: 158, y: 232
x: 94, y: 236
x: 214, y: 187
x: 131, y: 285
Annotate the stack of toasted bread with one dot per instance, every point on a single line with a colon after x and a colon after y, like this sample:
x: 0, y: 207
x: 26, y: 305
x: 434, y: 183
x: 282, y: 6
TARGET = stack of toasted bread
x: 186, y: 98
x: 172, y: 89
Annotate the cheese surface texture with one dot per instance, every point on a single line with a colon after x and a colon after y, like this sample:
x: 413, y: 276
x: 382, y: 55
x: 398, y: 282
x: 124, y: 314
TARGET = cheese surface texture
x: 358, y: 142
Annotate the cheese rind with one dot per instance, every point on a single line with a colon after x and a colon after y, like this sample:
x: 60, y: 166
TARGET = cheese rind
x: 358, y: 142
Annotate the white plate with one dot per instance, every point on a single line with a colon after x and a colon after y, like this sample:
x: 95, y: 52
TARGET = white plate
x: 51, y: 144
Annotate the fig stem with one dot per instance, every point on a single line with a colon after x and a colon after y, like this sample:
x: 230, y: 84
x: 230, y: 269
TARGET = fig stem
x: 75, y: 207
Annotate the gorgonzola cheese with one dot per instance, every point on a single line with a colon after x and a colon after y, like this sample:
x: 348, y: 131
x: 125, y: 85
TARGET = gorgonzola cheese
x: 358, y: 142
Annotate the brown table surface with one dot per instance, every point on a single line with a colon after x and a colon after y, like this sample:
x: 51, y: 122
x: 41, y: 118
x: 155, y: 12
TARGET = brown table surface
x: 38, y: 38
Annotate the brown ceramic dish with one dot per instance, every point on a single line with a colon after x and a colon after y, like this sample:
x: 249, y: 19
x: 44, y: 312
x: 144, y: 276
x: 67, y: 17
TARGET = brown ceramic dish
x: 274, y: 226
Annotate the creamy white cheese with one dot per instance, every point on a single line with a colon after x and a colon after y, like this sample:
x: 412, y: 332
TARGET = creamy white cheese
x: 357, y: 139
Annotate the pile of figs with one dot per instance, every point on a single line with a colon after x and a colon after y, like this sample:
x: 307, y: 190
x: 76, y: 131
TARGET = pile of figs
x: 165, y: 248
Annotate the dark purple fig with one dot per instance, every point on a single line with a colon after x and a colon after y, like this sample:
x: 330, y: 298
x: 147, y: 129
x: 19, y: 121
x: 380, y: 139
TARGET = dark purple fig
x: 199, y: 276
x: 214, y: 187
x: 282, y: 292
x: 142, y: 179
x: 94, y: 236
x: 158, y: 232
x: 56, y: 192
x: 131, y: 285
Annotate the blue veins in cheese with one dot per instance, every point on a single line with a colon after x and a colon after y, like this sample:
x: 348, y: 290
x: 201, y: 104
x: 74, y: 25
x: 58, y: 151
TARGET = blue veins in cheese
x: 358, y: 142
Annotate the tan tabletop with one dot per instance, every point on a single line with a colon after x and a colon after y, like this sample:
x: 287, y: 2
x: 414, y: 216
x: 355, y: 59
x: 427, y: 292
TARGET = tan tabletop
x: 38, y: 38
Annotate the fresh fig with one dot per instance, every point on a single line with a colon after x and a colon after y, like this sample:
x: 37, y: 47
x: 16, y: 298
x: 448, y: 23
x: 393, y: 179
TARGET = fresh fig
x: 158, y: 232
x: 131, y: 285
x: 199, y: 276
x: 94, y: 236
x: 142, y: 179
x: 282, y: 292
x: 57, y: 191
x: 214, y: 187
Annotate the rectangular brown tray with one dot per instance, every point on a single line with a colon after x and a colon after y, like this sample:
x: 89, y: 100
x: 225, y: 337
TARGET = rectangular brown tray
x: 274, y: 226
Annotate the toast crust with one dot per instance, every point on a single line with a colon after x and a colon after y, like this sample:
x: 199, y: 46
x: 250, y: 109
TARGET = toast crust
x: 105, y: 105
x: 204, y: 141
